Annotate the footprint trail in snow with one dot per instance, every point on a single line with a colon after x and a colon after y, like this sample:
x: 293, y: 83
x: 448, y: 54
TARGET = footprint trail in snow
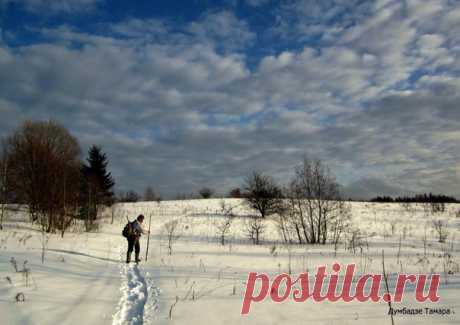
x: 135, y: 307
x: 133, y: 297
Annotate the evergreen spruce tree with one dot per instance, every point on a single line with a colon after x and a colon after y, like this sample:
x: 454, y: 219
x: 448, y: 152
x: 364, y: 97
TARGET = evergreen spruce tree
x: 97, y: 185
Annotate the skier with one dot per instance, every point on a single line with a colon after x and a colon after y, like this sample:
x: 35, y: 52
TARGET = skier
x: 134, y: 236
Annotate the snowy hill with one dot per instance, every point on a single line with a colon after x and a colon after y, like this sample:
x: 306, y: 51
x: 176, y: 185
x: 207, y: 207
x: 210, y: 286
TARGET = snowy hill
x: 191, y: 278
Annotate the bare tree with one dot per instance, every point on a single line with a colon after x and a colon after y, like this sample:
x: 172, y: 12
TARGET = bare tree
x: 129, y: 197
x: 255, y: 227
x: 4, y: 159
x: 440, y: 228
x: 172, y: 232
x: 262, y: 194
x: 235, y: 193
x: 42, y: 158
x: 282, y: 223
x: 316, y: 207
x: 149, y: 194
x: 355, y: 240
x: 70, y: 199
x: 290, y: 223
x: 223, y: 224
x: 206, y: 192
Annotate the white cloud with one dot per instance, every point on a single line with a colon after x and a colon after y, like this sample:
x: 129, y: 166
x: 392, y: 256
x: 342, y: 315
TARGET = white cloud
x: 222, y: 29
x: 182, y: 102
x: 140, y: 28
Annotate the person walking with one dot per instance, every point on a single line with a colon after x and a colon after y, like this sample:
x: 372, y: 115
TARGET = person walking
x: 133, y: 238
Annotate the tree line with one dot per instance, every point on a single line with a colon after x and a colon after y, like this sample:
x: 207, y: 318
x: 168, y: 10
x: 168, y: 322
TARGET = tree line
x: 41, y: 167
x: 418, y: 198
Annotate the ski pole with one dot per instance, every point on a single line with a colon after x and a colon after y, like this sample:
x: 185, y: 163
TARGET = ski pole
x: 148, y: 238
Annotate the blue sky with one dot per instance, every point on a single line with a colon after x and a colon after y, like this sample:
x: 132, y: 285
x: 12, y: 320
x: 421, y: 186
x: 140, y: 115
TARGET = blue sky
x: 199, y: 93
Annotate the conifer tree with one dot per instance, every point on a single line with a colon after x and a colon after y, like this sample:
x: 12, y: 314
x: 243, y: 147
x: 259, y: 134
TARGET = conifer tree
x: 97, y: 185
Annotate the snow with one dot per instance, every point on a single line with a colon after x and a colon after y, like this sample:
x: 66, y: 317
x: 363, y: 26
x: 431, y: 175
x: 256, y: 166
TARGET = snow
x: 84, y: 279
x: 139, y: 296
x: 133, y: 296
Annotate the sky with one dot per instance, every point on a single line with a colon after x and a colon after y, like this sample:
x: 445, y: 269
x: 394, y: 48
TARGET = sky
x: 187, y: 94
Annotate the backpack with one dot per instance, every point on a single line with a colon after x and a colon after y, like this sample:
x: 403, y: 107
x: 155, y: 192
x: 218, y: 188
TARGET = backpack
x: 127, y: 230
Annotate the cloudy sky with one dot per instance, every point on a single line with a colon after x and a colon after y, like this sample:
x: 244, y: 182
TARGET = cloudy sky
x: 185, y: 94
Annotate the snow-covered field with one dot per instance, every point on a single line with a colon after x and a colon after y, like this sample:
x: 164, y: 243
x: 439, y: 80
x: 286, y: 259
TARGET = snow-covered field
x: 83, y: 279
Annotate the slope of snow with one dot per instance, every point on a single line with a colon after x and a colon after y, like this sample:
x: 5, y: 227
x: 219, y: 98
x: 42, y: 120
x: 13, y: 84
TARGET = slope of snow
x: 84, y: 281
x: 78, y: 283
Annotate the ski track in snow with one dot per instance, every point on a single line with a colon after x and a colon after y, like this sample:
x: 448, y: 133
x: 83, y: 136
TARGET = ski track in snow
x: 135, y: 307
